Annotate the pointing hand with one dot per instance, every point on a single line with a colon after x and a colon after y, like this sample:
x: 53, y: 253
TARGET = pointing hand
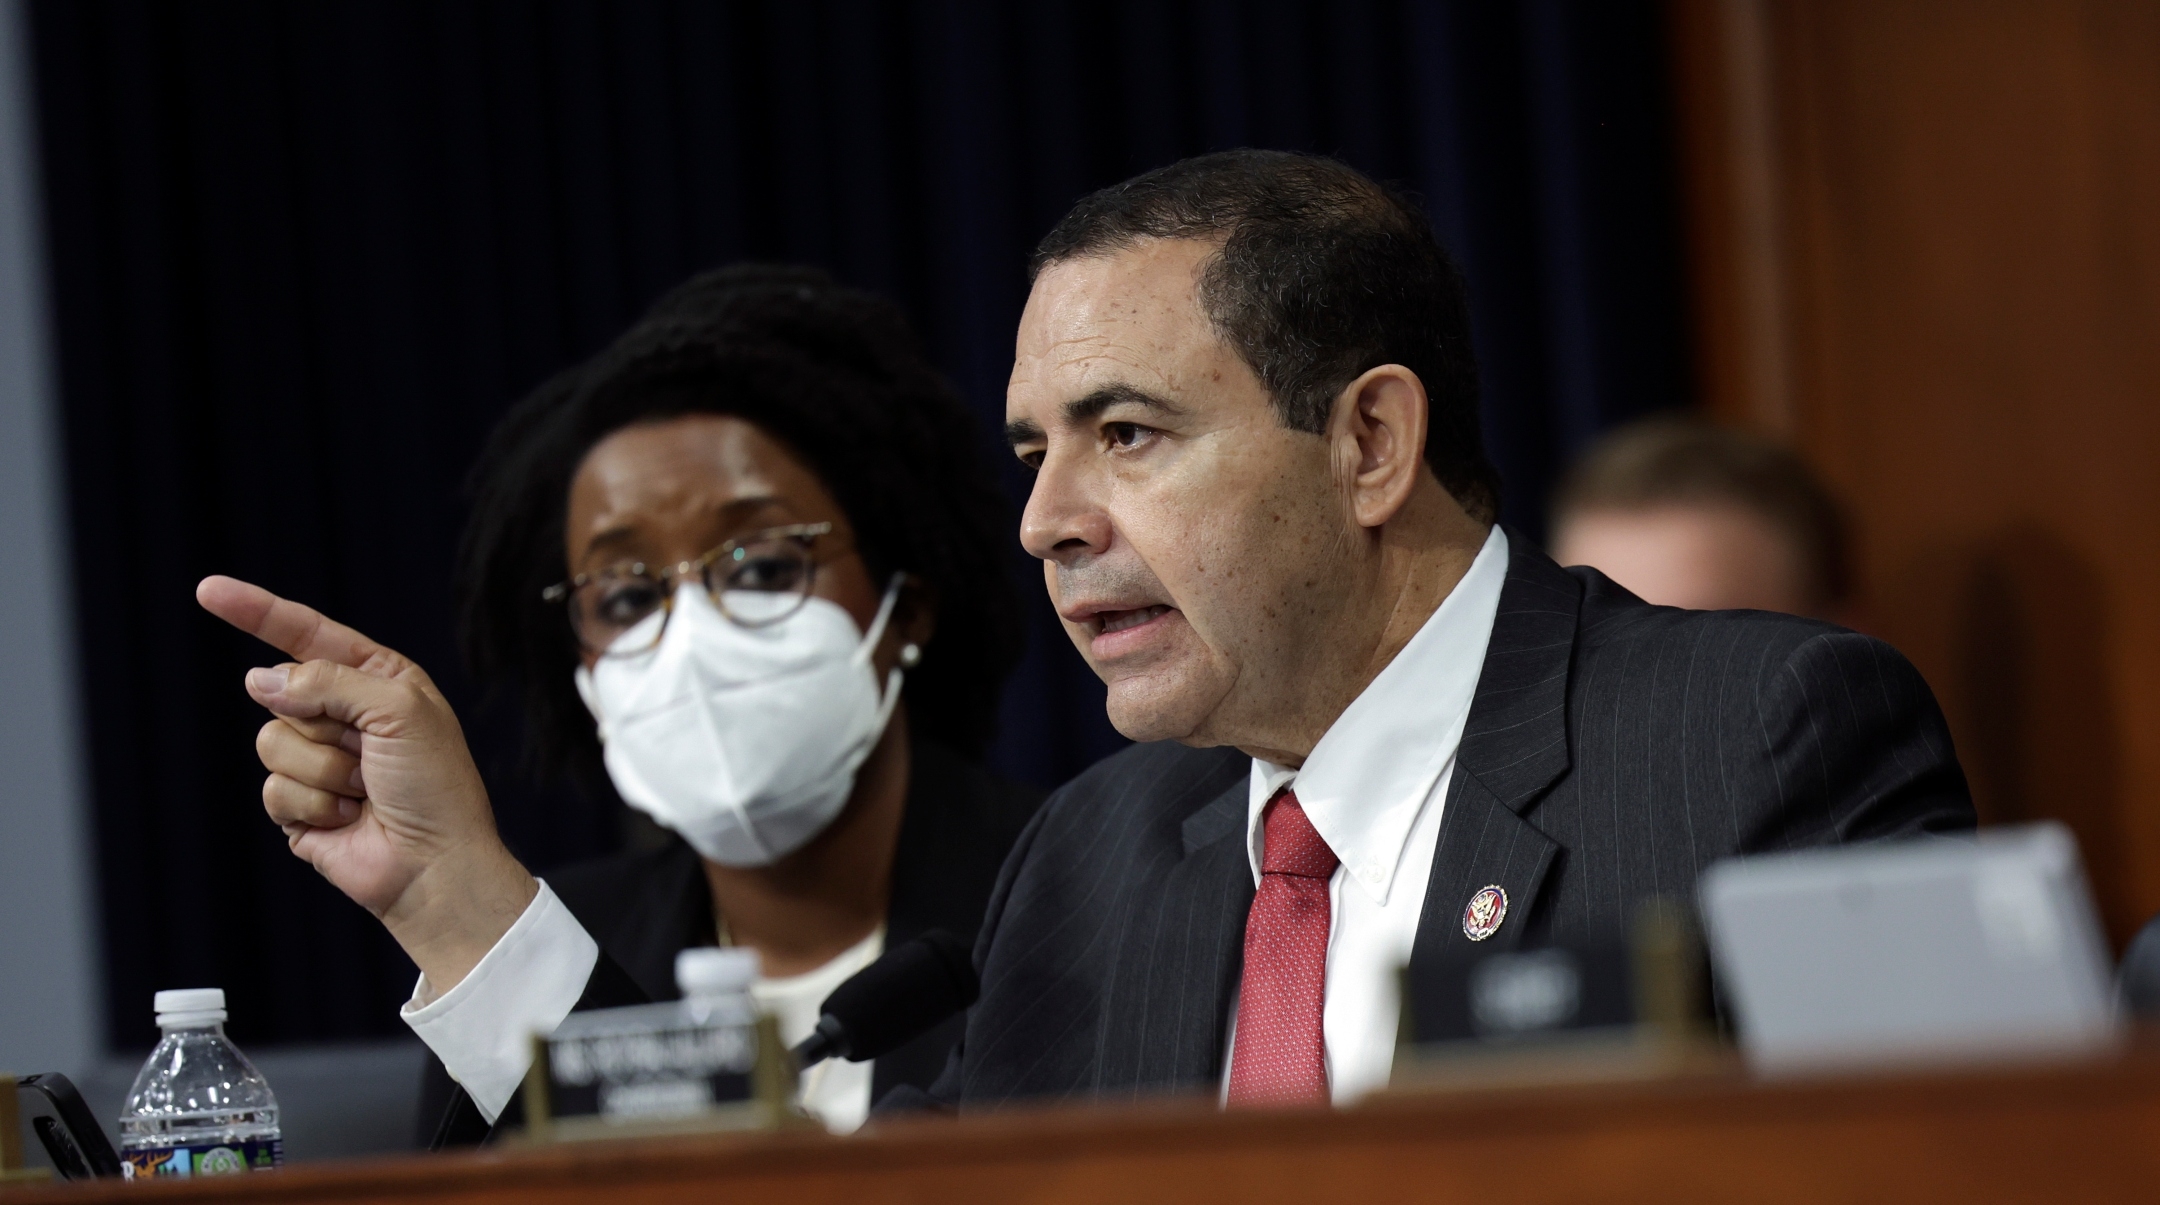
x: 372, y: 782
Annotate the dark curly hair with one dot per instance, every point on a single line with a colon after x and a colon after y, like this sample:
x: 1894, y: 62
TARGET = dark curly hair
x: 832, y: 372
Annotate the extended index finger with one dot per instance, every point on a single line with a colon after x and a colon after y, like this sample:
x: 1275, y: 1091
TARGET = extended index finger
x: 301, y: 631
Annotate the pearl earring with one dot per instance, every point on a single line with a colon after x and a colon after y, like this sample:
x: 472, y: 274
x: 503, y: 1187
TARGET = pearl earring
x: 910, y: 656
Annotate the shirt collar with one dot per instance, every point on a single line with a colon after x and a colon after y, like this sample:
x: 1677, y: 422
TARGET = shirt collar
x: 1369, y: 777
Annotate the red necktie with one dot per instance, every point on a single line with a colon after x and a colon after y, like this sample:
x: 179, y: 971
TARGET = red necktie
x: 1280, y: 1055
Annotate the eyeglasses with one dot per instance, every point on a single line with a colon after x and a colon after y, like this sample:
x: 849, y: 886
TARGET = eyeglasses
x: 756, y: 580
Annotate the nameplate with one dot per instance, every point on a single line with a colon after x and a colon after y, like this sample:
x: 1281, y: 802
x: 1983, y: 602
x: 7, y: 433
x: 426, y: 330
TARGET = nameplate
x: 655, y: 1068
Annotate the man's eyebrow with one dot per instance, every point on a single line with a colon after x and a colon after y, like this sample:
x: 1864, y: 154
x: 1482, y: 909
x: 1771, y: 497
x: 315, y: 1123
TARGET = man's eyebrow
x: 1091, y: 406
x: 1021, y: 431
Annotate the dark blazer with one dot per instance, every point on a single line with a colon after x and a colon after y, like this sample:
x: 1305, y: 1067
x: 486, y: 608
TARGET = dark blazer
x: 644, y: 907
x: 1613, y: 750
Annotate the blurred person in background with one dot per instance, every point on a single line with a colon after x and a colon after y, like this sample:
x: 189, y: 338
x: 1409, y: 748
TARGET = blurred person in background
x: 744, y: 566
x: 1685, y: 514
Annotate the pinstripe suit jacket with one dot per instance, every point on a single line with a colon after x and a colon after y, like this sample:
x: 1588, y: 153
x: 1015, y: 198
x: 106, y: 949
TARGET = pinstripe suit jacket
x: 1613, y: 749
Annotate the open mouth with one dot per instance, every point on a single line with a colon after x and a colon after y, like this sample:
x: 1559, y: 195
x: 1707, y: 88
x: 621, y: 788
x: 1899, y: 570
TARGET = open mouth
x: 1118, y: 621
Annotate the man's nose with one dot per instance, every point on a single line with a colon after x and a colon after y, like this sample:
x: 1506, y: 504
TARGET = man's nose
x: 1063, y: 521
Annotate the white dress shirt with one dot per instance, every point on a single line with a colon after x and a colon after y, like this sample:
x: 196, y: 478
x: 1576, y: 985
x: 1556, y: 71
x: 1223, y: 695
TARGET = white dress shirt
x: 482, y: 1028
x: 1374, y: 788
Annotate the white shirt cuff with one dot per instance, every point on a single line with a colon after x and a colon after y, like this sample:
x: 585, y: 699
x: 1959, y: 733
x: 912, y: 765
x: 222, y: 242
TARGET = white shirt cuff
x: 482, y: 1029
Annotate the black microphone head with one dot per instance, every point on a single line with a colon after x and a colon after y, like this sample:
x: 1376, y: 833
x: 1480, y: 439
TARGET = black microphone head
x: 900, y: 996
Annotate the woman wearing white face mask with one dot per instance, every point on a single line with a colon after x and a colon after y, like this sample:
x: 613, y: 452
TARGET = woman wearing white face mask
x: 743, y: 563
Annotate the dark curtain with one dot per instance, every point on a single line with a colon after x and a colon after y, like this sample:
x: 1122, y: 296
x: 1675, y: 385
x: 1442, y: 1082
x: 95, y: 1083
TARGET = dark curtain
x: 306, y: 253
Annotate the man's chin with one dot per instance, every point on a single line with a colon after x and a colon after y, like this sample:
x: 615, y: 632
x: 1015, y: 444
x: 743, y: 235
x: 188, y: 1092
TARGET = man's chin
x: 1147, y: 708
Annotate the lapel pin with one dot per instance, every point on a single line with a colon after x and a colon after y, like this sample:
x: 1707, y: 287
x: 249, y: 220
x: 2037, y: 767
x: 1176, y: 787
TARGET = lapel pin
x: 1487, y: 909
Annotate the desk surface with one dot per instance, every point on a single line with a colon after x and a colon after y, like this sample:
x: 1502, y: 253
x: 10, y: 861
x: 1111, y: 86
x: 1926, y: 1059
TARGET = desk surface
x: 2088, y: 1131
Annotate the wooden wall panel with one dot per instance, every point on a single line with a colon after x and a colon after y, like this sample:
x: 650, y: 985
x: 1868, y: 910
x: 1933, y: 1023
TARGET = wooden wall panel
x: 1927, y: 244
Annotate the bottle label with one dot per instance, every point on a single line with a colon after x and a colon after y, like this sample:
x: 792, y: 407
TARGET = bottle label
x: 225, y: 1158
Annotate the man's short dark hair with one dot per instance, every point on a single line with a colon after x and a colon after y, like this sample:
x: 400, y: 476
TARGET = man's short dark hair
x: 1323, y: 273
x: 1670, y: 461
x: 836, y: 375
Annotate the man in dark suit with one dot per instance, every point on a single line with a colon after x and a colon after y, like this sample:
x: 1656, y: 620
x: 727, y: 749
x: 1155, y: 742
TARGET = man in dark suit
x: 1375, y: 727
x: 1244, y: 384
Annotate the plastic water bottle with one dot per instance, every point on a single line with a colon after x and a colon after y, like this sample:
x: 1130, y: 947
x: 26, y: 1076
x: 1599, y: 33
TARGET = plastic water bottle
x: 198, y: 1107
x: 708, y: 975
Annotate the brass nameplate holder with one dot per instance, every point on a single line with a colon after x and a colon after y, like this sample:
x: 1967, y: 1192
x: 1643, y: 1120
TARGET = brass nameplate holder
x: 661, y: 1103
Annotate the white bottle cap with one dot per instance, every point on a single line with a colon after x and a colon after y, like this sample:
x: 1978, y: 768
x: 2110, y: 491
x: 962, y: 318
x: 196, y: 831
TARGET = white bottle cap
x: 190, y: 1006
x: 713, y: 971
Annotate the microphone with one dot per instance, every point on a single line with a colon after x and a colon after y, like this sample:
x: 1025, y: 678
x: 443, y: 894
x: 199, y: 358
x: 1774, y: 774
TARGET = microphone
x: 888, y: 1003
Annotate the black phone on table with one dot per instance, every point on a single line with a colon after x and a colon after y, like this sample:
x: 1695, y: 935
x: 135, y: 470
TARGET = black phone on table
x: 69, y: 1133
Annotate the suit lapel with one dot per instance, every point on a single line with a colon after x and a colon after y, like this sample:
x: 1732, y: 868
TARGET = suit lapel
x: 1168, y: 1021
x: 1514, y: 746
x: 1516, y: 739
x: 1483, y: 843
x: 1224, y: 816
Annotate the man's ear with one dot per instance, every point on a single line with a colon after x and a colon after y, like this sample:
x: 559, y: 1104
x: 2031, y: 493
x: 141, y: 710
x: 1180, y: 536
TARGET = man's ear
x: 1377, y: 433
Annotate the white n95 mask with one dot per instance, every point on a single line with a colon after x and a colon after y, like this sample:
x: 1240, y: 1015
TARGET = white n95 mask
x: 743, y: 740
